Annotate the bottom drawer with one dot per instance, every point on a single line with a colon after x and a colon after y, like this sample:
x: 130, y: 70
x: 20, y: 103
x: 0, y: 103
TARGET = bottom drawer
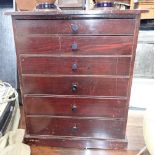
x: 67, y: 126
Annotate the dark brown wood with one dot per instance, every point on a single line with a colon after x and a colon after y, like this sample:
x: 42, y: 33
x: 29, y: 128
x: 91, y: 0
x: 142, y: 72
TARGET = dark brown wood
x: 63, y: 85
x: 89, y: 143
x: 95, y: 26
x: 69, y: 14
x: 134, y: 136
x: 100, y: 128
x: 83, y: 65
x: 86, y: 45
x: 133, y: 57
x: 62, y: 68
x: 71, y: 106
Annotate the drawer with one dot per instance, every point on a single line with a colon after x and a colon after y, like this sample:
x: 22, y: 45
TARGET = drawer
x: 96, y: 128
x: 69, y: 85
x: 74, y: 45
x: 75, y: 65
x: 71, y: 106
x: 75, y: 27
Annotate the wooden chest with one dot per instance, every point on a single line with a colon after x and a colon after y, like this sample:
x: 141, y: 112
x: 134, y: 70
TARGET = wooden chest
x: 75, y: 71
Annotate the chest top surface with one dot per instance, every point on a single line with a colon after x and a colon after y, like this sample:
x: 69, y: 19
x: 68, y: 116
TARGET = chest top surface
x: 76, y: 14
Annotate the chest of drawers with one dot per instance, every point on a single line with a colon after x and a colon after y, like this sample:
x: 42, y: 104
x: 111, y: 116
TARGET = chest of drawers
x: 75, y: 71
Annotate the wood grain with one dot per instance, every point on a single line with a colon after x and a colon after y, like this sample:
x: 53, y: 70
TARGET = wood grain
x: 78, y: 143
x: 71, y: 106
x: 42, y: 150
x: 44, y: 36
x: 61, y: 85
x: 90, y: 26
x: 86, y: 45
x: 101, y: 128
x: 85, y: 65
x: 134, y: 136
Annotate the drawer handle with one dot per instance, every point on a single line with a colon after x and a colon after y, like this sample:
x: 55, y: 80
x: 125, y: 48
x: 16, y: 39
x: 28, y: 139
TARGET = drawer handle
x: 74, y: 108
x: 74, y: 67
x: 74, y: 128
x: 74, y: 46
x: 74, y: 28
x: 74, y: 88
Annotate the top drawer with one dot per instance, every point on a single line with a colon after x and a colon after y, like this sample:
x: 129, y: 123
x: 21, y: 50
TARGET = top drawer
x: 87, y: 27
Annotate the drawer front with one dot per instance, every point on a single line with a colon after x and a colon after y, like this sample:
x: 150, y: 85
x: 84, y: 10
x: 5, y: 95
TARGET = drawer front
x: 67, y: 106
x: 86, y: 85
x: 75, y: 65
x: 75, y: 127
x: 91, y: 26
x: 74, y: 45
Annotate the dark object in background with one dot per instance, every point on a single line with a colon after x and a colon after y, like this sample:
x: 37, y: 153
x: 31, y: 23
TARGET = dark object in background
x: 147, y: 24
x: 6, y: 117
x: 6, y: 3
x: 46, y: 6
x: 104, y: 4
x: 7, y: 49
